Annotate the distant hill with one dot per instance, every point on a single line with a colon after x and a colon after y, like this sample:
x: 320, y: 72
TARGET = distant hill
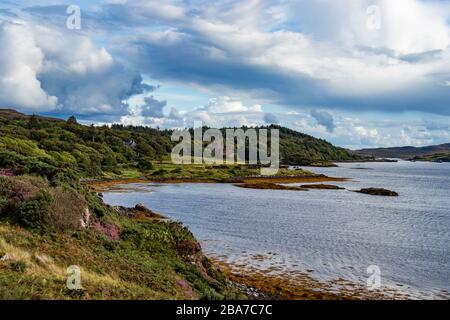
x: 12, y: 114
x: 405, y: 152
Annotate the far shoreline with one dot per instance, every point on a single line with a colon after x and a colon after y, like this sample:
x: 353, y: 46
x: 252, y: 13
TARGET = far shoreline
x: 102, y: 184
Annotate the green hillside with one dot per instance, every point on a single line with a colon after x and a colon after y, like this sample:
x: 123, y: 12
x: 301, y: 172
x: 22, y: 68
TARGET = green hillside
x: 303, y: 149
x: 60, y: 149
x: 435, y: 157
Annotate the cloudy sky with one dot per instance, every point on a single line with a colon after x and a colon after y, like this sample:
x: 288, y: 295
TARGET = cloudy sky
x: 359, y: 73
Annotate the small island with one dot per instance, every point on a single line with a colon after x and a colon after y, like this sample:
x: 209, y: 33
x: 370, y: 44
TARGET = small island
x: 378, y: 192
x: 322, y: 186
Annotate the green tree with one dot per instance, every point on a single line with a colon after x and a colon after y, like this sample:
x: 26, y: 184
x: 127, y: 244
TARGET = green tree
x: 33, y: 122
x: 72, y: 120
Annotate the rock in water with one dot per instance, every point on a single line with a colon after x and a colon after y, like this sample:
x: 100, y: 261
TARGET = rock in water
x: 378, y: 192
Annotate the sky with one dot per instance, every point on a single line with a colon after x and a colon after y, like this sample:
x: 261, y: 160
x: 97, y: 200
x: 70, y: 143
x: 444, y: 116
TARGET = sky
x: 358, y: 73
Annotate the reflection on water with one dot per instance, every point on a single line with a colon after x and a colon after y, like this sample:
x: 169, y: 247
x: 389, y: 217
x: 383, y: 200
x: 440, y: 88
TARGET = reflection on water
x: 333, y: 233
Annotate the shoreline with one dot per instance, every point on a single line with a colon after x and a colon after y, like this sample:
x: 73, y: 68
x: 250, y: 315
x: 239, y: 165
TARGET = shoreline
x: 103, y: 184
x: 297, y: 285
x: 270, y: 284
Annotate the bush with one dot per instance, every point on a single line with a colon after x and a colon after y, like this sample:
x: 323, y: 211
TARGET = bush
x: 95, y: 204
x: 145, y: 163
x: 32, y: 203
x: 66, y: 210
x: 17, y: 190
x: 31, y: 213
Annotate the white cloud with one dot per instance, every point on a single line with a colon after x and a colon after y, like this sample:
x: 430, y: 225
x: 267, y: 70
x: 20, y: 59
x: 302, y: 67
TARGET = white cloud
x: 226, y: 104
x: 219, y: 112
x: 46, y: 69
x: 21, y: 60
x: 406, y: 26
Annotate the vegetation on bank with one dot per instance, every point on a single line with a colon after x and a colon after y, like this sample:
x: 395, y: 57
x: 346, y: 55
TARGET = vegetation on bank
x: 122, y: 253
x: 427, y: 153
x: 435, y: 157
x: 61, y: 150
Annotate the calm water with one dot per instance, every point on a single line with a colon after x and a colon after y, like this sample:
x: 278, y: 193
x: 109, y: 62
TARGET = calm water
x: 338, y: 234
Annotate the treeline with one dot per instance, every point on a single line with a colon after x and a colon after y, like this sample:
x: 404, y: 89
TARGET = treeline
x: 67, y: 150
x: 61, y: 150
x: 297, y: 148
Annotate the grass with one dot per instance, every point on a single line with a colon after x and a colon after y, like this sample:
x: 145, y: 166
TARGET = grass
x: 153, y: 260
x: 122, y: 254
x: 199, y: 172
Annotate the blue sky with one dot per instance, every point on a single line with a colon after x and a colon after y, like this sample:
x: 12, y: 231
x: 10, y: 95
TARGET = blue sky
x: 359, y: 73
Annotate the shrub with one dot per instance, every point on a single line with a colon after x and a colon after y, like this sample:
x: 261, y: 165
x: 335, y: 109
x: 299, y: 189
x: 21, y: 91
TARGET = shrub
x: 16, y: 189
x: 95, y: 204
x: 31, y: 213
x: 66, y: 211
x: 145, y: 163
x: 31, y: 202
x: 159, y: 172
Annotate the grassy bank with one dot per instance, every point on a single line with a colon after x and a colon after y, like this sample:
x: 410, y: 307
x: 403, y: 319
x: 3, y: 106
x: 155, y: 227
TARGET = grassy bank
x: 122, y: 253
x: 170, y: 173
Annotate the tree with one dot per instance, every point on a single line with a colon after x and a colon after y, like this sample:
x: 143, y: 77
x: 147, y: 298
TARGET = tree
x: 33, y: 122
x: 72, y: 120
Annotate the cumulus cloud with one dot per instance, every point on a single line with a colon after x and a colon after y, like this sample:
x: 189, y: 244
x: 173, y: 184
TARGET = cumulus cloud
x: 226, y: 104
x: 21, y: 60
x: 324, y: 118
x: 299, y: 53
x: 405, y: 26
x: 224, y: 111
x: 219, y: 112
x: 339, y: 64
x: 48, y: 70
x: 153, y: 108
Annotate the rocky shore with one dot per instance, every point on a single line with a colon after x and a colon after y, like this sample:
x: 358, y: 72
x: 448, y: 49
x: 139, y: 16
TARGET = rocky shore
x: 296, y: 285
